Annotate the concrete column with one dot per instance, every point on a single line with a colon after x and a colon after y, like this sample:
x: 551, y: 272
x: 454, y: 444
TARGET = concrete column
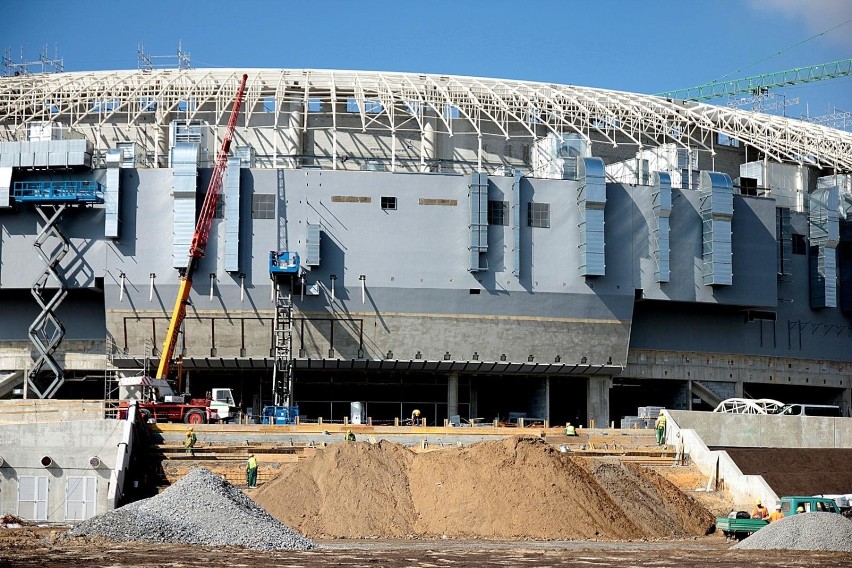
x: 738, y: 389
x: 540, y: 400
x: 452, y: 394
x: 474, y: 404
x: 846, y: 405
x: 547, y: 399
x: 597, y: 400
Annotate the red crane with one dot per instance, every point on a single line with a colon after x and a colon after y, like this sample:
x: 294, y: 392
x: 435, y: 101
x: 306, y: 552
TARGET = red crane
x: 199, y: 239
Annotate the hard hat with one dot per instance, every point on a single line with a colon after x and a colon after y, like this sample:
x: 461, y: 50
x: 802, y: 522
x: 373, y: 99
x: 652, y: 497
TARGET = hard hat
x: 661, y: 411
x: 800, y: 509
x: 416, y: 412
x: 349, y: 431
x: 757, y: 502
x: 251, y: 455
x: 778, y: 506
x: 568, y: 424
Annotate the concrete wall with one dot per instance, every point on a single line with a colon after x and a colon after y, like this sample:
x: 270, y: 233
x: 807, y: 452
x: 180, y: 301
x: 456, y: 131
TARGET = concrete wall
x: 718, y: 466
x: 36, y: 411
x: 70, y: 445
x: 767, y: 431
x: 415, y: 262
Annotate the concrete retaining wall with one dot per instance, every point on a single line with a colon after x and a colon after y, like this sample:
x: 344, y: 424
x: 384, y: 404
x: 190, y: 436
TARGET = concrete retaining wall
x: 33, y: 411
x: 695, y: 431
x: 718, y: 465
x: 767, y: 431
x: 70, y: 445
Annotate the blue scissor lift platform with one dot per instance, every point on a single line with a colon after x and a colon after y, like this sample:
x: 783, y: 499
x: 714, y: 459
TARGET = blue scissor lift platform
x: 47, y: 192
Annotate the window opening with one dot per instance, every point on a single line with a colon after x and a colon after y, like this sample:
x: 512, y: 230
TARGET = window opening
x: 538, y: 215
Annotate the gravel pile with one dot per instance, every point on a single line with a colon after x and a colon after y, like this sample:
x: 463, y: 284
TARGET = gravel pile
x: 201, y: 508
x: 805, y: 531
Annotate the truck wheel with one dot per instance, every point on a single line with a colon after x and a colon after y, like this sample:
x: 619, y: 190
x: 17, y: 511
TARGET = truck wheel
x: 194, y: 417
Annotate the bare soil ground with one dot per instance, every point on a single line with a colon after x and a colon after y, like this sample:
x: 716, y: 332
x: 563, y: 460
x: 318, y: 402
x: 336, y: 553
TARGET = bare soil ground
x: 28, y: 548
x: 797, y: 471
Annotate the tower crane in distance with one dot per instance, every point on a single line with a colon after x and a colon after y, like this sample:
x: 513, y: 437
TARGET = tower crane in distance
x: 760, y: 83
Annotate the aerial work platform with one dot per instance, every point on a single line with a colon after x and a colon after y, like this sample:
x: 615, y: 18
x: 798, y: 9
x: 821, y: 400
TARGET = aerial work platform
x: 47, y: 192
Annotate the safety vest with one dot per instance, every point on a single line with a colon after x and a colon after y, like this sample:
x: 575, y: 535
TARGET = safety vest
x: 570, y: 431
x: 661, y: 421
x: 252, y: 463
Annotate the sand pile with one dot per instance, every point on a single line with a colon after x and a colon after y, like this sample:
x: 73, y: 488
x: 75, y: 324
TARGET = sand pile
x: 805, y: 531
x: 514, y: 488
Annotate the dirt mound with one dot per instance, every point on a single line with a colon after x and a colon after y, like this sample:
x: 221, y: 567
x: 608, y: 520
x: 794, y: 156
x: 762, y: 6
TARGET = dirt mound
x: 346, y: 490
x: 514, y: 488
x: 650, y: 500
x: 508, y: 489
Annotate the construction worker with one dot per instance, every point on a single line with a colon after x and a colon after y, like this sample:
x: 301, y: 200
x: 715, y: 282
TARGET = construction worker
x: 415, y: 417
x: 776, y: 515
x: 189, y: 442
x: 570, y: 430
x: 759, y: 512
x: 350, y: 437
x: 660, y: 425
x: 251, y: 471
x: 800, y: 509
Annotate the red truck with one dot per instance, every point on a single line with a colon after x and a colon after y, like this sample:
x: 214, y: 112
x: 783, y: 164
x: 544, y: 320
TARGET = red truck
x: 159, y: 403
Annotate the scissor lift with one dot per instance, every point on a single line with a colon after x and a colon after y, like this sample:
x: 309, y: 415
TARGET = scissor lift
x: 51, y: 200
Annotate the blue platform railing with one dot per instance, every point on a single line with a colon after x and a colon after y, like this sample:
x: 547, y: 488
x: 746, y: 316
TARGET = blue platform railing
x: 58, y: 192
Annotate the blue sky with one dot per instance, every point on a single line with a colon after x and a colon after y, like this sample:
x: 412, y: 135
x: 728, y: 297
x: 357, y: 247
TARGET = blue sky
x: 644, y: 46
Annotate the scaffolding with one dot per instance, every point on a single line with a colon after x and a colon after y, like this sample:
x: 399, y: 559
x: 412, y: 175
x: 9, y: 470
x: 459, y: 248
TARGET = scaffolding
x: 282, y: 373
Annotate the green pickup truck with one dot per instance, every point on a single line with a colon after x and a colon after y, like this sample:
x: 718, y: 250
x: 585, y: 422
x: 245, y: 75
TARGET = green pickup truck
x: 740, y: 528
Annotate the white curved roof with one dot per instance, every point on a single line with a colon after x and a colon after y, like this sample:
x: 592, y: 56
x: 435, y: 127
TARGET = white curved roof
x: 400, y: 101
x: 749, y: 406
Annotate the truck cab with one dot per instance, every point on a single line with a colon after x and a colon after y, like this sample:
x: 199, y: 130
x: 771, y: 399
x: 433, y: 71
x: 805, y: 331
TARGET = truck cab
x: 222, y: 401
x: 790, y: 505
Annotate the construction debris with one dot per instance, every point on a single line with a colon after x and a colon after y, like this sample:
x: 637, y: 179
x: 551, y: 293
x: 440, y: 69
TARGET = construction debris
x: 201, y: 508
x: 804, y: 531
x: 508, y: 489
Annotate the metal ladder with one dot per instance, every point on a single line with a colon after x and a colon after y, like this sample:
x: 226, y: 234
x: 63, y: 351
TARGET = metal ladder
x: 282, y: 374
x: 46, y: 332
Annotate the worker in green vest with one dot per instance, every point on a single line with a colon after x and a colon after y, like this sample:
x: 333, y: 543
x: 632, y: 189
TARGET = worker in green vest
x: 661, y: 428
x: 189, y: 442
x: 350, y: 437
x: 570, y: 430
x: 251, y: 471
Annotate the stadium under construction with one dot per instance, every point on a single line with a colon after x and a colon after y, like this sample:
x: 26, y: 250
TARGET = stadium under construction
x: 469, y: 247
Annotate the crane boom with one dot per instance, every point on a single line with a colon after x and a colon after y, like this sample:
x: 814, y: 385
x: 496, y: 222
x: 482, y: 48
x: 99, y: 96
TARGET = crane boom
x: 799, y: 75
x: 200, y: 237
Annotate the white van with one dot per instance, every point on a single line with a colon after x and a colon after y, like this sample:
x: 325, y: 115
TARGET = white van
x: 811, y: 410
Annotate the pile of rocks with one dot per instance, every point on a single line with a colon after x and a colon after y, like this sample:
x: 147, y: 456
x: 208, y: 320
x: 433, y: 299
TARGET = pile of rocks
x: 201, y: 508
x: 805, y: 531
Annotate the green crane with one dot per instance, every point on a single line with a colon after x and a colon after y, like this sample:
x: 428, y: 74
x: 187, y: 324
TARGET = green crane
x: 761, y: 83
